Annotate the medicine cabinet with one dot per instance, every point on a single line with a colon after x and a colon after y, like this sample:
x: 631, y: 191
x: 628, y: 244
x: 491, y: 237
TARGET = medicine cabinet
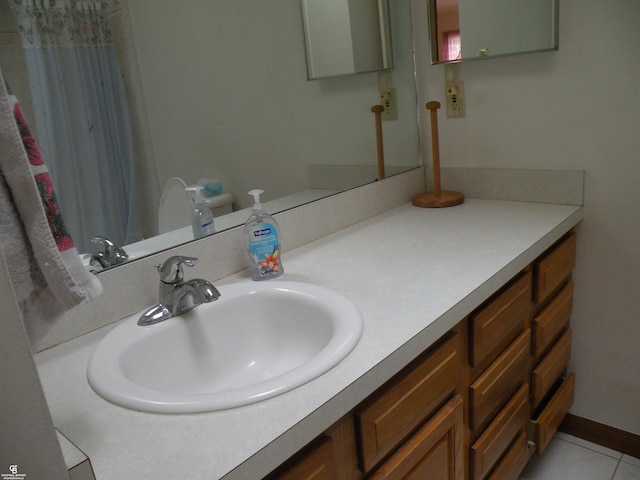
x: 463, y: 30
x: 344, y: 37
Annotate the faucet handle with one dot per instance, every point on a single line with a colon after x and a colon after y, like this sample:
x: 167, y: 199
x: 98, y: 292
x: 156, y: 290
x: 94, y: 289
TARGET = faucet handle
x: 171, y: 270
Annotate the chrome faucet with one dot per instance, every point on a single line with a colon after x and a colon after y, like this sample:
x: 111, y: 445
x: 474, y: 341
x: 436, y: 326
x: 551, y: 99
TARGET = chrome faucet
x: 177, y: 296
x: 110, y: 256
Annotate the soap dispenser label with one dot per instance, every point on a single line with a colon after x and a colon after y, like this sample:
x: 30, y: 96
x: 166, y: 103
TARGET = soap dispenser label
x: 264, y: 247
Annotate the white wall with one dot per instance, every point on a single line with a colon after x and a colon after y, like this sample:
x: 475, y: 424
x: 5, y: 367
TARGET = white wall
x: 25, y: 422
x: 578, y: 108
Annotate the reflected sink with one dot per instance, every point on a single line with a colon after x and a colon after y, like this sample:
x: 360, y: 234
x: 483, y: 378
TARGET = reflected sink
x: 258, y: 340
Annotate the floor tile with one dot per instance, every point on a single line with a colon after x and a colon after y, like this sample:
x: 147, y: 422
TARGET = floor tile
x: 590, y: 445
x: 568, y: 461
x: 632, y: 460
x: 626, y: 471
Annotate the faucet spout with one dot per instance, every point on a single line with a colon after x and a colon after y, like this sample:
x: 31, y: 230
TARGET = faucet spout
x: 110, y: 255
x: 184, y: 300
x: 193, y: 293
x: 205, y: 290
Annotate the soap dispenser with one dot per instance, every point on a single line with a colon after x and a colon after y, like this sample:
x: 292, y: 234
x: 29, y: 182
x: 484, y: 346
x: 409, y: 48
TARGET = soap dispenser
x: 201, y: 217
x: 262, y: 240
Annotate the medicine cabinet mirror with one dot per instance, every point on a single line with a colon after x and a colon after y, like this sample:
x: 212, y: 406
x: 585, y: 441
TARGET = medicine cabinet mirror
x: 463, y: 30
x: 344, y: 37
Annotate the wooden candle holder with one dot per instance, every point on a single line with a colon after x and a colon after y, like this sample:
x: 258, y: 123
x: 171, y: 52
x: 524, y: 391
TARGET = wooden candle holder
x: 437, y: 198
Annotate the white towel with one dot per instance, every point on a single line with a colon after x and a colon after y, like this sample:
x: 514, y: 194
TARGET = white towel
x: 46, y: 272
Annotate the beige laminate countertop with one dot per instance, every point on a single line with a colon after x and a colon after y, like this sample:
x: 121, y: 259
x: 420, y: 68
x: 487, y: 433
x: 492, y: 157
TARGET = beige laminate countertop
x: 412, y: 272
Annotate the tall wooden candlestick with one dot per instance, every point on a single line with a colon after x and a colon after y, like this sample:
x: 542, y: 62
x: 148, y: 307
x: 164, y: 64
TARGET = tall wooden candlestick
x: 437, y: 198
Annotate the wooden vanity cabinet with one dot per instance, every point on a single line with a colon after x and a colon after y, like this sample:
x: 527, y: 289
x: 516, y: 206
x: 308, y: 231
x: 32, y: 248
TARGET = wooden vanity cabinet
x: 554, y: 267
x: 493, y: 326
x: 411, y: 425
x: 552, y: 387
x: 501, y: 434
x: 477, y: 404
x: 331, y: 456
x: 499, y: 391
x: 316, y: 463
x: 414, y: 423
x: 404, y: 403
x: 527, y: 325
x: 435, y: 450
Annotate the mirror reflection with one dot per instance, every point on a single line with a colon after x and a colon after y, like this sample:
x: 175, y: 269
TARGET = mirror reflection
x: 343, y: 37
x: 204, y: 92
x: 469, y: 29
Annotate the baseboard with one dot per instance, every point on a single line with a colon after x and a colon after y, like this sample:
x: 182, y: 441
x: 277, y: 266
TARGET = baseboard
x: 601, y: 434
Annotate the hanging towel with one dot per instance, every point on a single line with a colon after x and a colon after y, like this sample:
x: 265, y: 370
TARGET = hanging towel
x: 46, y: 272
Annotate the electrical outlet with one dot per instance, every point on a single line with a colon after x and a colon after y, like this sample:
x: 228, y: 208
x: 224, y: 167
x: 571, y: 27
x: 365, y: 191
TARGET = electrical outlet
x: 388, y: 101
x: 454, y: 93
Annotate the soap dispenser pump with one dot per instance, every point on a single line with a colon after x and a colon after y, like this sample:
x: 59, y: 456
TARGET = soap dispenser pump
x: 262, y: 240
x: 201, y: 218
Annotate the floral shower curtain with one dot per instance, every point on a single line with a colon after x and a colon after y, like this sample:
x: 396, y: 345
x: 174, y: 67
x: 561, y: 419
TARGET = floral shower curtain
x: 82, y: 118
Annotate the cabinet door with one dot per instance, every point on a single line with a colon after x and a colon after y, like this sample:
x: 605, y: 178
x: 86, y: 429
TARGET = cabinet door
x: 407, y: 400
x: 332, y: 456
x: 317, y: 464
x: 550, y: 322
x: 434, y: 452
x: 550, y: 368
x: 545, y: 426
x: 491, y: 390
x: 498, y: 323
x: 554, y: 267
x: 500, y: 434
x: 514, y: 460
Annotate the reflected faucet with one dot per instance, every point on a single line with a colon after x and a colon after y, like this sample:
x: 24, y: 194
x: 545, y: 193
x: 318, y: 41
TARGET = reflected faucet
x: 110, y: 256
x: 177, y: 296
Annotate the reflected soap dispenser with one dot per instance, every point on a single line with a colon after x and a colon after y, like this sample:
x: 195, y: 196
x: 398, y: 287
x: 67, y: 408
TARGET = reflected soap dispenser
x: 262, y: 240
x: 201, y: 217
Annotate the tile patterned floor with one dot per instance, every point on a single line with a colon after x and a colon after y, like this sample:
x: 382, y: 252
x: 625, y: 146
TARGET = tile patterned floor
x: 571, y: 458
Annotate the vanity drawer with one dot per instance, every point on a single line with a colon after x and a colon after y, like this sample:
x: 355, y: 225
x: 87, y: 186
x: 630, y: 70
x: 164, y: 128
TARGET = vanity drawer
x: 407, y: 400
x: 552, y: 320
x: 434, y: 451
x: 550, y: 368
x: 514, y: 461
x: 495, y: 325
x: 494, y: 442
x: 554, y: 268
x: 545, y: 426
x: 498, y: 383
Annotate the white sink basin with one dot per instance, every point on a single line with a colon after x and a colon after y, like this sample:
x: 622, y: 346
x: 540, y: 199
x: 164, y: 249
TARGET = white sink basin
x: 258, y: 340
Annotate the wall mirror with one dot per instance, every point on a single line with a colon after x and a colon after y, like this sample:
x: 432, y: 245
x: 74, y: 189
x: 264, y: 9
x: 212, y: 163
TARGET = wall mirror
x: 345, y: 37
x: 219, y: 90
x: 462, y: 30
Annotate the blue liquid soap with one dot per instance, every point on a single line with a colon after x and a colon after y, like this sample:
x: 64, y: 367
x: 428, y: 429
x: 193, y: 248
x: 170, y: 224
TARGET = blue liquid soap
x: 202, y: 221
x: 262, y: 240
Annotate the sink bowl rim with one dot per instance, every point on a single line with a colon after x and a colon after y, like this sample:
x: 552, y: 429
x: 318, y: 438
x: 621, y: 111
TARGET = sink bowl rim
x: 107, y: 379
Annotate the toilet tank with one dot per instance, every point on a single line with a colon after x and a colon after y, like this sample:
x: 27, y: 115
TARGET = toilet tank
x: 220, y: 204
